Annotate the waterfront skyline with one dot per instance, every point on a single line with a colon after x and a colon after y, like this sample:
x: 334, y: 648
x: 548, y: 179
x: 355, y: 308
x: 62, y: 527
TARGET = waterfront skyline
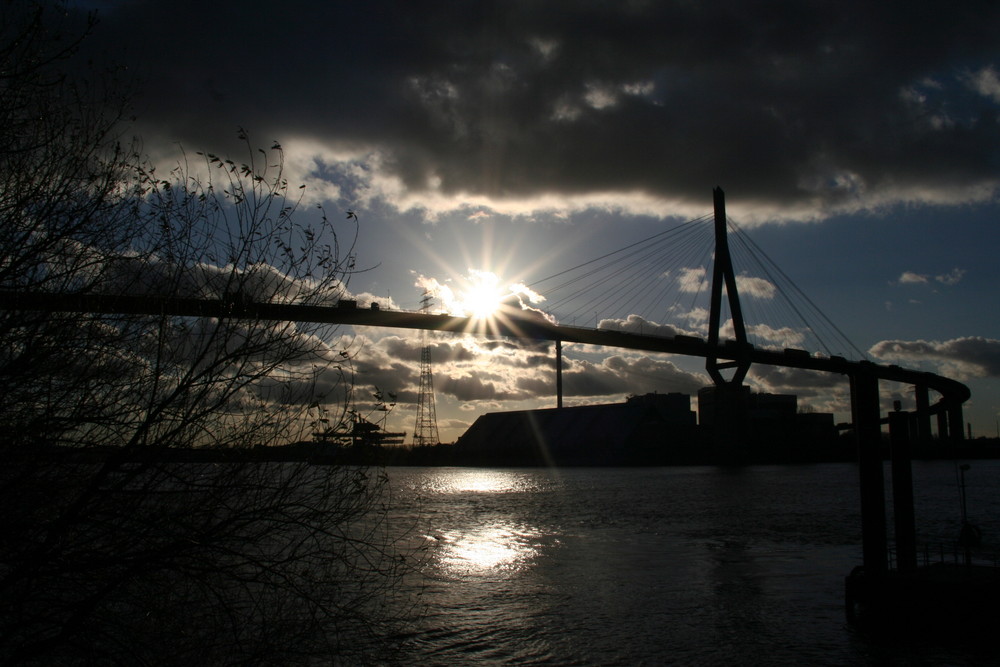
x: 858, y: 144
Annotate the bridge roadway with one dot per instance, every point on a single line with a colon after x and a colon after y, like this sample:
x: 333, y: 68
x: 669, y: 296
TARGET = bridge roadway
x: 516, y: 325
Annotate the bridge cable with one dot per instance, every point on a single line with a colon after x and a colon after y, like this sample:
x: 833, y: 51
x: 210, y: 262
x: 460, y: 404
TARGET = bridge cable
x: 584, y: 287
x: 643, y: 279
x: 756, y: 252
x: 594, y: 272
x: 615, y: 252
x: 772, y: 315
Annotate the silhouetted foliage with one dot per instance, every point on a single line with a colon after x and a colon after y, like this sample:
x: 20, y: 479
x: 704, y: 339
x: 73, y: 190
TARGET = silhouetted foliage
x: 135, y: 558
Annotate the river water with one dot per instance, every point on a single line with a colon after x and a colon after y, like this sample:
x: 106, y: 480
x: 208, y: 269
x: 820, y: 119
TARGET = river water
x: 651, y: 566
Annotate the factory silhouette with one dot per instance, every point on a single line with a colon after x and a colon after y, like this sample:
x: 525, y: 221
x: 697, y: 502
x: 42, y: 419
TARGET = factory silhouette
x: 733, y: 426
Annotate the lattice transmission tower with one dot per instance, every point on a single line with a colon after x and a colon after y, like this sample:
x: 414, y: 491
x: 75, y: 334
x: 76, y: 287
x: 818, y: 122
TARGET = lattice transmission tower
x: 425, y: 431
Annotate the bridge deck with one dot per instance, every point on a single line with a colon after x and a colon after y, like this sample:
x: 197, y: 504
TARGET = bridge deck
x: 529, y: 326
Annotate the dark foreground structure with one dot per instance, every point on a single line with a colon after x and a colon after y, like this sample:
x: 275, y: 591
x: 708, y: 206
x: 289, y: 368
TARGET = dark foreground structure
x: 956, y: 598
x: 656, y: 429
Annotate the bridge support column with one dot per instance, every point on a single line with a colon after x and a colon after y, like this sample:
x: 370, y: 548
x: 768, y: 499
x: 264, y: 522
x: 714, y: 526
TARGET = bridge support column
x: 865, y: 413
x: 956, y: 423
x: 902, y: 492
x: 923, y: 416
x: 942, y: 427
x: 559, y: 386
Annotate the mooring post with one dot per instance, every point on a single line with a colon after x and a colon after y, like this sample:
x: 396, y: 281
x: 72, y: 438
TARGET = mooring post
x: 559, y: 387
x: 865, y: 413
x: 902, y: 492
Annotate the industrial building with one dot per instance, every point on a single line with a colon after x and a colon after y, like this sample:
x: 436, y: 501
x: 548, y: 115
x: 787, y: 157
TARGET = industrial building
x: 746, y: 427
x: 736, y: 426
x: 644, y: 430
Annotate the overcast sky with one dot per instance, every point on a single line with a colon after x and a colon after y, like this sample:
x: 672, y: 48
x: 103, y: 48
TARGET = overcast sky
x: 858, y: 143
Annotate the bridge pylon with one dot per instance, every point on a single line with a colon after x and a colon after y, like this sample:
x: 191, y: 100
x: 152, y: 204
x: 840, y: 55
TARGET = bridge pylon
x: 736, y: 354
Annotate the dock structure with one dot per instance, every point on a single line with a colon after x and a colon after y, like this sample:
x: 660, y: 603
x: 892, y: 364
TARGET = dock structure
x: 904, y: 587
x: 938, y: 596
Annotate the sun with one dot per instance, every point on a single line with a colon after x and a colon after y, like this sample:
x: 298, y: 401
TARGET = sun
x: 482, y: 297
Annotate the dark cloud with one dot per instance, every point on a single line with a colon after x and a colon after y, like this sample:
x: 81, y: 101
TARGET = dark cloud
x: 802, y: 382
x: 807, y: 106
x: 822, y: 392
x: 619, y: 375
x: 375, y: 371
x: 520, y: 379
x: 971, y: 356
x: 477, y: 388
x: 537, y: 386
x: 640, y: 325
x: 409, y: 349
x: 529, y: 355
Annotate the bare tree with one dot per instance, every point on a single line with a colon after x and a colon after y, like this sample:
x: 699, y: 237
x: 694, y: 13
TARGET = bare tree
x: 123, y: 552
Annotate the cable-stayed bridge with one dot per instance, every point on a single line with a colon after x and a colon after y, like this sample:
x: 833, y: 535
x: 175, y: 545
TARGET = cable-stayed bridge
x: 730, y: 347
x: 525, y: 325
x: 682, y: 279
x: 685, y: 284
x: 635, y: 279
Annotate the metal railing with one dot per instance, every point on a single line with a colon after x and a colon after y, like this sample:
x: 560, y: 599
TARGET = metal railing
x: 952, y: 553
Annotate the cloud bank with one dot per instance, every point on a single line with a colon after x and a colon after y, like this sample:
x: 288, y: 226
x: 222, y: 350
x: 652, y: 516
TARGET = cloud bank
x: 970, y: 356
x: 805, y: 109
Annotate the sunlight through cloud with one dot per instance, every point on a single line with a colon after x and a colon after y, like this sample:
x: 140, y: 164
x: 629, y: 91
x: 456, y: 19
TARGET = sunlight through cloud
x: 480, y: 295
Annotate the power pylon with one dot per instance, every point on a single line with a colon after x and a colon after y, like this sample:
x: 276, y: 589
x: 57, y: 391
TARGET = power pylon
x: 425, y: 431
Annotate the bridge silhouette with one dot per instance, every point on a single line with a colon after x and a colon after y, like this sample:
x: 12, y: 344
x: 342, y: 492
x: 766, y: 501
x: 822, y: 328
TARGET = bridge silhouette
x: 528, y: 326
x: 737, y: 354
x: 734, y: 355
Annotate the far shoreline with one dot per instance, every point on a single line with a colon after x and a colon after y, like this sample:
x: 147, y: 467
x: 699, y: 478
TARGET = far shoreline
x: 448, y: 455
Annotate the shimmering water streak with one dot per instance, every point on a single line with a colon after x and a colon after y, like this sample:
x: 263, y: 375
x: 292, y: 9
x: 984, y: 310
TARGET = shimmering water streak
x: 656, y: 566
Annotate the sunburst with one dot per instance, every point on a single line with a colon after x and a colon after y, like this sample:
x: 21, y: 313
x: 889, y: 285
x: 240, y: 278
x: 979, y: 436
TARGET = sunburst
x: 481, y: 298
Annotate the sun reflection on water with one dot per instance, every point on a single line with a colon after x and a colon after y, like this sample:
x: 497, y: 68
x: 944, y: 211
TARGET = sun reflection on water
x: 488, y: 542
x: 484, y: 481
x: 499, y: 547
